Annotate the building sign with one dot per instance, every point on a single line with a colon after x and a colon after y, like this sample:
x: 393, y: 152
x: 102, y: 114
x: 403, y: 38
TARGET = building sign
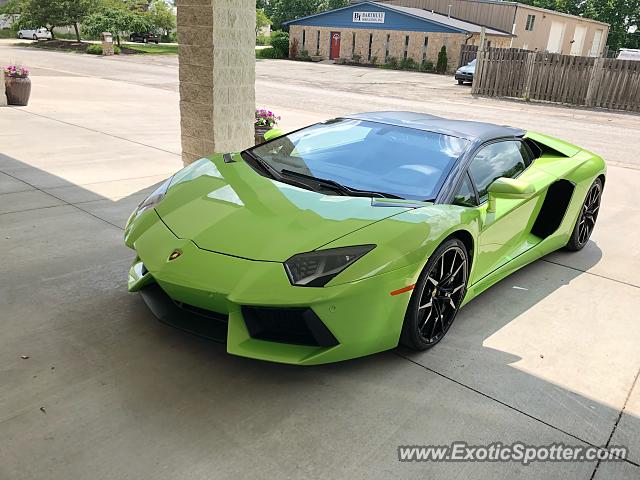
x: 368, y: 17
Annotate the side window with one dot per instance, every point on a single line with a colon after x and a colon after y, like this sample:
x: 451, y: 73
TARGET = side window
x: 465, y: 196
x: 501, y: 159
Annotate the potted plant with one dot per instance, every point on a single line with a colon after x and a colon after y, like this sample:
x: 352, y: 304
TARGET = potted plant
x: 265, y: 121
x: 317, y: 57
x: 18, y: 85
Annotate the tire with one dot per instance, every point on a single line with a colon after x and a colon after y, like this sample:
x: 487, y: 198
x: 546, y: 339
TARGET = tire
x: 35, y: 37
x: 157, y: 42
x: 425, y: 325
x: 460, y: 82
x: 144, y: 40
x: 586, y: 221
x: 20, y: 35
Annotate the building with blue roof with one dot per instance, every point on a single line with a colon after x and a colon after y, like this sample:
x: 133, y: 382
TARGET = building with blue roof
x: 374, y: 33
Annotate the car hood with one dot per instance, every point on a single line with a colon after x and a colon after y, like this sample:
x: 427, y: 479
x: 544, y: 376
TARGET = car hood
x: 231, y: 209
x: 467, y: 69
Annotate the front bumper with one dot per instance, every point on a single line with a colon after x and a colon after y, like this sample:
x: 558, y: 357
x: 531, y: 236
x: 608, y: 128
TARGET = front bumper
x: 363, y: 317
x: 467, y: 77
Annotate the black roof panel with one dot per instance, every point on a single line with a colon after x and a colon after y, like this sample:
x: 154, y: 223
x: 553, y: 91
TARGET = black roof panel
x: 430, y: 123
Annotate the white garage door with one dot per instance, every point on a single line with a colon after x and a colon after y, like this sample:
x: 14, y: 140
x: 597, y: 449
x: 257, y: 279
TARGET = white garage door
x: 578, y: 40
x: 555, y: 37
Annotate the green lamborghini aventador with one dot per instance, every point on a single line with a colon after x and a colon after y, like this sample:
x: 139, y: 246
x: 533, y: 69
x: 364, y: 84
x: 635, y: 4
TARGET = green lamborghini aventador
x: 349, y: 236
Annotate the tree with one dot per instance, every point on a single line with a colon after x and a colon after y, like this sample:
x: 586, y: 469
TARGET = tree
x: 161, y: 16
x: 282, y: 10
x: 333, y: 4
x: 51, y: 13
x: 42, y: 13
x: 77, y: 10
x: 441, y: 66
x: 117, y: 21
x: 261, y: 20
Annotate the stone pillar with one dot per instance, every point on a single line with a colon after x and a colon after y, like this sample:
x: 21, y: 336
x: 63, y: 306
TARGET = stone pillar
x: 217, y: 76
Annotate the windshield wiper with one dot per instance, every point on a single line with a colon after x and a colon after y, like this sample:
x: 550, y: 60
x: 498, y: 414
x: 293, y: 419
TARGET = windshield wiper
x: 345, y: 190
x: 264, y: 165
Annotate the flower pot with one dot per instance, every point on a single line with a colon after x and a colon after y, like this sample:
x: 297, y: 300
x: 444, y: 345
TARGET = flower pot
x: 260, y: 131
x: 18, y: 90
x: 316, y: 58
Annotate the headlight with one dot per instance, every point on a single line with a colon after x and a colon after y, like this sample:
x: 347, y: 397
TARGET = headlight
x: 154, y: 199
x: 315, y: 269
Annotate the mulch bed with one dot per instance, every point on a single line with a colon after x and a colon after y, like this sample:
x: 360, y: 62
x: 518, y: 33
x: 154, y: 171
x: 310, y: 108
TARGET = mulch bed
x: 72, y: 46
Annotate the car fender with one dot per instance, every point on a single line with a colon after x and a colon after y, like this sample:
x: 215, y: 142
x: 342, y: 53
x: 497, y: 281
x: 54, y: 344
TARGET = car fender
x: 405, y: 239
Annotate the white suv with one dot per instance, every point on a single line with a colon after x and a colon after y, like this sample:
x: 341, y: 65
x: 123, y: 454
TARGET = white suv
x: 37, y: 34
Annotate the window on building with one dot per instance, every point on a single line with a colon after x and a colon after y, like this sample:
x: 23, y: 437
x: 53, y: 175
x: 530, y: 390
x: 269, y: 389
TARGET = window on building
x: 406, y: 47
x: 388, y: 45
x: 370, y: 45
x: 304, y: 37
x: 531, y: 19
x: 353, y: 44
x: 424, y: 48
x: 318, y: 42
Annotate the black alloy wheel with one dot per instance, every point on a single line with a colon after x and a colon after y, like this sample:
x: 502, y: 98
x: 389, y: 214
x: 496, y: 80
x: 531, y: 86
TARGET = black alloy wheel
x: 587, y: 219
x: 437, y: 296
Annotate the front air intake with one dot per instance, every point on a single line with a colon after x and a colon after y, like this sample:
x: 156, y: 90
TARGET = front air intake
x: 299, y: 326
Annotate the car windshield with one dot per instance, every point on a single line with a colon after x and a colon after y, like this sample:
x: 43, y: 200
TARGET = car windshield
x: 362, y: 155
x: 472, y: 63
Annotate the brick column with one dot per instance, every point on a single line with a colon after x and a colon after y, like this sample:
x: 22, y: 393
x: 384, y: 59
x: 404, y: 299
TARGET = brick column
x: 217, y: 76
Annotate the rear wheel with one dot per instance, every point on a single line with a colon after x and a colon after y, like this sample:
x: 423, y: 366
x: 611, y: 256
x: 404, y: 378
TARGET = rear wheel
x: 437, y: 296
x: 587, y: 218
x: 35, y: 37
x: 20, y: 35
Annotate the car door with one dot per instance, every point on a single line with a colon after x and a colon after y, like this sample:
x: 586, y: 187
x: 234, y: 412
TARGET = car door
x: 505, y: 233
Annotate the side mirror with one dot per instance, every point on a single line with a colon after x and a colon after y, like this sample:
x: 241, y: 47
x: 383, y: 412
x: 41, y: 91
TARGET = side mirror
x: 273, y: 133
x: 508, y: 188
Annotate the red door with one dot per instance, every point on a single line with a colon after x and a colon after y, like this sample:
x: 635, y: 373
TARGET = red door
x: 335, y: 45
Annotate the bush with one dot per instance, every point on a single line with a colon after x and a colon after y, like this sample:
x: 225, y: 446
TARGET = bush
x: 268, y: 53
x: 427, y: 66
x: 441, y: 66
x: 294, y: 48
x: 263, y: 40
x: 408, y: 64
x: 355, y: 58
x: 392, y: 62
x: 96, y: 49
x: 171, y: 37
x: 304, y: 55
x: 280, y: 43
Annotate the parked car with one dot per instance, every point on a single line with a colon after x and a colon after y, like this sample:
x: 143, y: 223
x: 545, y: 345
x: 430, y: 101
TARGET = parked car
x: 350, y: 236
x: 629, y: 54
x: 148, y: 37
x: 465, y: 73
x: 35, y: 34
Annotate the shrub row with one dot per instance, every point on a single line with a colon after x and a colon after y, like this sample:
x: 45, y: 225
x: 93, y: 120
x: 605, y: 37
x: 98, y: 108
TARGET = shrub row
x: 96, y: 49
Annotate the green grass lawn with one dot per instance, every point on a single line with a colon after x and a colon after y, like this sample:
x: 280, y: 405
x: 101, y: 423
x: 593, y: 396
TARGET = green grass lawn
x: 152, y: 48
x: 7, y: 33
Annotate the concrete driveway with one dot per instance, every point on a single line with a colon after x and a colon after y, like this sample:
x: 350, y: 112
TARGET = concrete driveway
x: 550, y: 355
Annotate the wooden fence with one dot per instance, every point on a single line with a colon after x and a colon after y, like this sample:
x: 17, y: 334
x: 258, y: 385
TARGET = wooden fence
x: 593, y: 82
x: 467, y: 53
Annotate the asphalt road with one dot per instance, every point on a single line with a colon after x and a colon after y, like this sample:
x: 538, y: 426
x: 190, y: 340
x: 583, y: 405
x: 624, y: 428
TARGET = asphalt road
x: 550, y: 355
